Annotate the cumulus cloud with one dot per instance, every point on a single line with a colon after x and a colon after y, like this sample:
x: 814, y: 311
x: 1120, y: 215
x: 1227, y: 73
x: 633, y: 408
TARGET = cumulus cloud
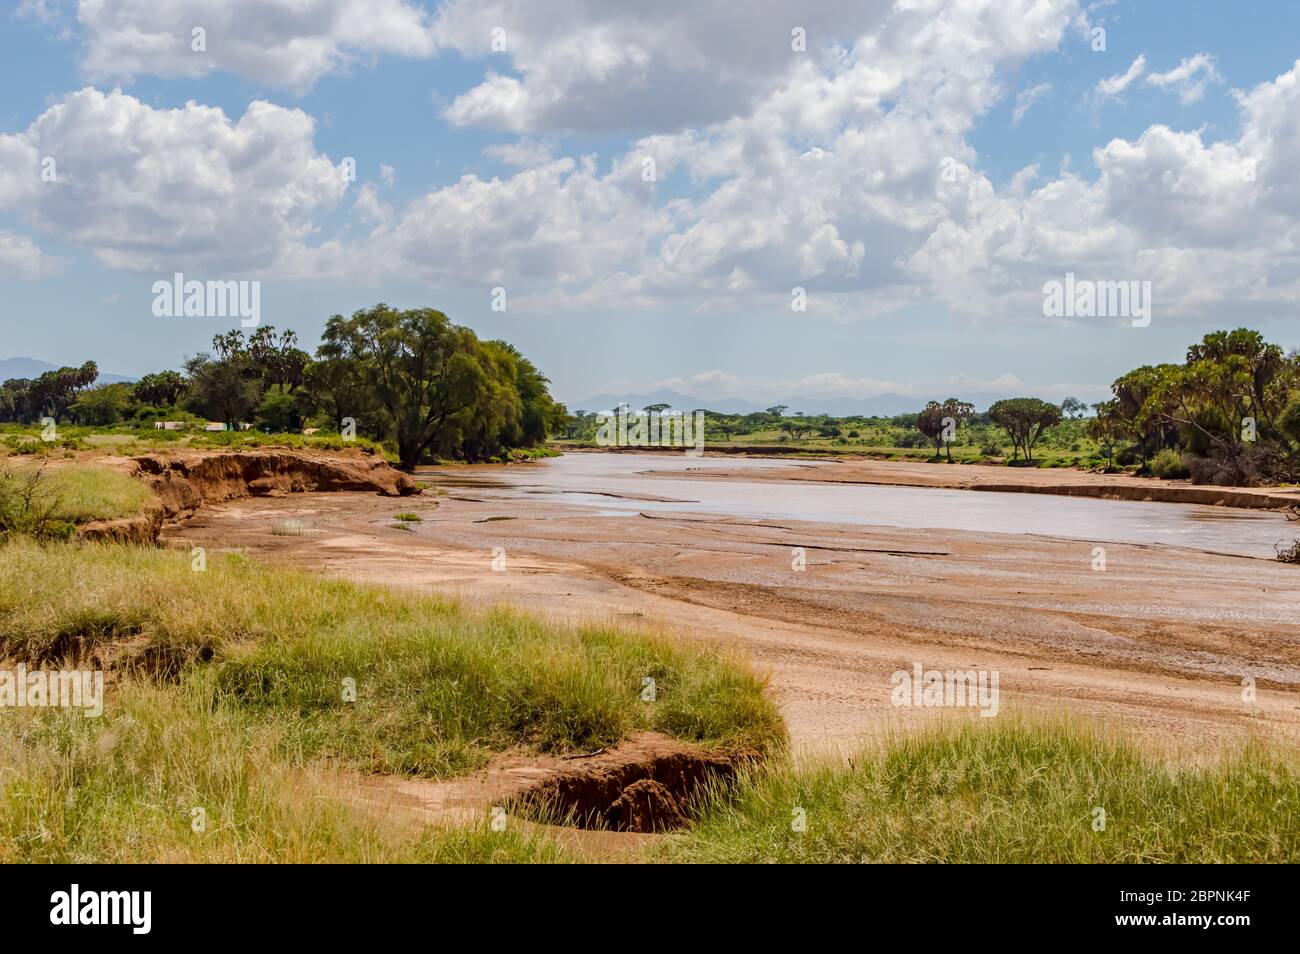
x: 825, y: 182
x: 150, y: 189
x: 1213, y: 225
x: 605, y: 64
x: 846, y: 170
x: 283, y: 44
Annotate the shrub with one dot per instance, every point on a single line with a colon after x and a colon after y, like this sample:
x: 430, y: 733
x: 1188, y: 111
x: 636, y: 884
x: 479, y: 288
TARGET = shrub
x: 28, y: 506
x: 1168, y: 464
x: 1289, y: 554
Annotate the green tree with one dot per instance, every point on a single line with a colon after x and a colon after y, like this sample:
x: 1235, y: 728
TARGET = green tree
x: 1073, y: 408
x: 934, y: 419
x: 54, y: 392
x: 102, y: 406
x: 225, y: 386
x: 1025, y: 420
x: 422, y: 370
x: 161, y: 389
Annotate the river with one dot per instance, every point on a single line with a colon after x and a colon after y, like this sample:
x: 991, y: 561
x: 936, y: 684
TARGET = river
x: 617, y: 485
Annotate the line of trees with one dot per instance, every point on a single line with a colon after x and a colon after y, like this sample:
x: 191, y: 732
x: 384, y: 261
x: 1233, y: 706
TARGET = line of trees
x: 1230, y: 412
x: 410, y: 379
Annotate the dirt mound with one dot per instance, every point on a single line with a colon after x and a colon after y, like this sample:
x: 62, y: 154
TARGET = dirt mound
x: 186, y: 481
x: 646, y: 805
x: 652, y: 785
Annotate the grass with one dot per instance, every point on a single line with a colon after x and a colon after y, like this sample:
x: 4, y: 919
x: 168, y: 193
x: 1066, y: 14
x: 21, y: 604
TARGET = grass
x: 408, y: 517
x: 41, y: 502
x: 1017, y: 791
x: 252, y: 692
x: 124, y: 788
x: 291, y: 528
x: 89, y: 493
x: 129, y: 439
x: 438, y: 690
x: 259, y: 695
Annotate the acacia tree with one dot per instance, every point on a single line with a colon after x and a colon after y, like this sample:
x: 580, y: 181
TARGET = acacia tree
x: 797, y: 428
x: 420, y: 369
x: 1073, y: 408
x: 1025, y: 419
x: 933, y: 422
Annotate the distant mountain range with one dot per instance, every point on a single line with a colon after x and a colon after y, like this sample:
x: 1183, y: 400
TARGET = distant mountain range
x: 32, y: 368
x: 881, y: 405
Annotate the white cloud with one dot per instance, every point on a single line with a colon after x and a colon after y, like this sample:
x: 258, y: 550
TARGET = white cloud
x: 1189, y: 78
x: 20, y: 256
x: 1026, y: 99
x: 610, y: 64
x: 559, y: 222
x: 826, y: 172
x: 284, y: 44
x: 1113, y: 86
x: 149, y: 189
x: 1214, y: 226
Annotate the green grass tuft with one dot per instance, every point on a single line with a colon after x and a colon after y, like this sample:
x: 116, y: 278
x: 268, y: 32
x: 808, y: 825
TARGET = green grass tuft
x: 1016, y: 791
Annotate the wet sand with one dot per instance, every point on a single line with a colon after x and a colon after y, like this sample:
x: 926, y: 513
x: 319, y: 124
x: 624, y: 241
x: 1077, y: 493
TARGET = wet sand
x: 1159, y: 642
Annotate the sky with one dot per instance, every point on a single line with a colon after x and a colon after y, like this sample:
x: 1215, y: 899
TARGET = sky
x: 643, y: 187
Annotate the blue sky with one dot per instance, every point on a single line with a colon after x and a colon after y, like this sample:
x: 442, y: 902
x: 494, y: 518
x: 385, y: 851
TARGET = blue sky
x: 776, y: 168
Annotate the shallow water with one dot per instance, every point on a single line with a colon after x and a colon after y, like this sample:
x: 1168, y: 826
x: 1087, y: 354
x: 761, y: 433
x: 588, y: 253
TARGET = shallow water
x: 617, y: 485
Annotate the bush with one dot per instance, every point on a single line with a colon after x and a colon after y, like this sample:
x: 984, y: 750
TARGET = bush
x: 28, y: 506
x: 1169, y: 465
x: 1289, y: 554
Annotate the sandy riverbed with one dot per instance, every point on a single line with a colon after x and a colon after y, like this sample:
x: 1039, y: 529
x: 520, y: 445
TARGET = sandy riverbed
x: 1062, y: 481
x: 1159, y: 642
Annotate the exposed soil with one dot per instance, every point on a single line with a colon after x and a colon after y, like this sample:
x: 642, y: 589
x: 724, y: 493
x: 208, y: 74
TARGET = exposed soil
x: 647, y: 784
x: 188, y: 480
x: 184, y: 481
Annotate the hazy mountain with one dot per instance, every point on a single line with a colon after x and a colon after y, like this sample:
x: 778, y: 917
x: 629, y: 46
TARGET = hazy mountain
x: 32, y: 368
x: 885, y: 405
x: 880, y: 405
x: 679, y: 402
